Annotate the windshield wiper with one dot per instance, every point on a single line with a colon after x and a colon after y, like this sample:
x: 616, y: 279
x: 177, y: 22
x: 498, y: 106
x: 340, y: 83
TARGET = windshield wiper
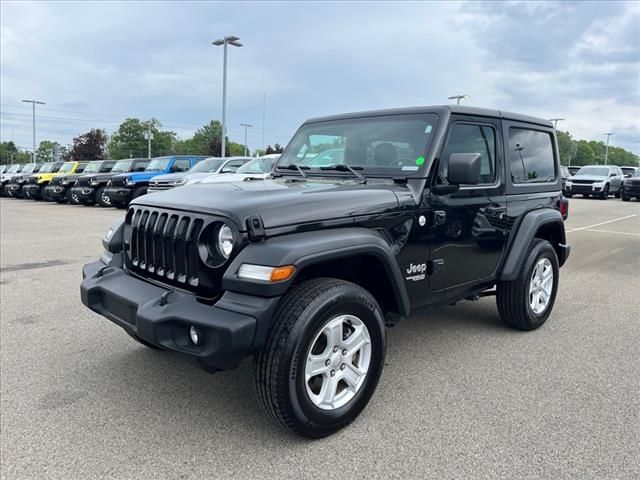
x: 293, y: 166
x: 340, y: 167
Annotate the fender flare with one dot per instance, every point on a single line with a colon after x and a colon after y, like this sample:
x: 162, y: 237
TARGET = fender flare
x: 524, y: 235
x: 309, y: 248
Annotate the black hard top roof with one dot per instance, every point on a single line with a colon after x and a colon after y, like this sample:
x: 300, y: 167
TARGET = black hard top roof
x: 438, y: 109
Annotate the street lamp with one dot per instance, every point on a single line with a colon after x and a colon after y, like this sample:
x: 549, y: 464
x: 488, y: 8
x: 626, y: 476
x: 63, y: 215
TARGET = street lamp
x: 245, y: 125
x: 606, y: 151
x: 33, y: 103
x: 457, y: 98
x: 555, y: 122
x: 228, y: 40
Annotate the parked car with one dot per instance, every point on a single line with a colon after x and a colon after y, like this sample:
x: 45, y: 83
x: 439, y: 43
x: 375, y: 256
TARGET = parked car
x: 257, y: 169
x: 4, y: 168
x: 564, y: 174
x: 573, y: 169
x: 631, y: 187
x: 61, y: 188
x: 124, y: 187
x: 629, y: 171
x: 17, y: 182
x: 6, y: 177
x: 90, y: 188
x: 197, y: 173
x: 595, y: 180
x: 35, y: 188
x: 302, y: 271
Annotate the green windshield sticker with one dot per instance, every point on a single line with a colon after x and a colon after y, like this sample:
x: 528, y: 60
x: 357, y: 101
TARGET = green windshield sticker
x: 419, y: 160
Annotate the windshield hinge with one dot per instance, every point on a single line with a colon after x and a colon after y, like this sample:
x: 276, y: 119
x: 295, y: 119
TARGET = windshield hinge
x: 255, y: 227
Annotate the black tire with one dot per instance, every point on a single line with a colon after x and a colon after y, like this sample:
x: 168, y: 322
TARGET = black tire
x: 101, y: 199
x: 513, y: 297
x: 624, y: 197
x: 44, y: 195
x: 568, y: 195
x: 605, y: 193
x: 279, y: 378
x: 71, y: 198
x: 138, y: 192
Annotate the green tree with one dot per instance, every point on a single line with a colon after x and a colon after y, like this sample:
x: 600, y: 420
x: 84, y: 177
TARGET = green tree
x: 45, y: 151
x: 567, y: 147
x: 8, y: 152
x: 206, y: 141
x: 584, y: 154
x: 130, y: 140
x: 89, y: 146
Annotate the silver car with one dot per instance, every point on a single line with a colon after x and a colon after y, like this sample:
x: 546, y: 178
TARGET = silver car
x: 598, y: 181
x: 196, y: 174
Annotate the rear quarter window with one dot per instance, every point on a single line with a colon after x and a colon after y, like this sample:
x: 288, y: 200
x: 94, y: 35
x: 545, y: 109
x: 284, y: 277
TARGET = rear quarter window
x: 531, y: 156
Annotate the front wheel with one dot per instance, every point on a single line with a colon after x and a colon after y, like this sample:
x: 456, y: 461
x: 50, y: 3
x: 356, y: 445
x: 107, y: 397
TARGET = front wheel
x: 623, y: 196
x: 605, y: 193
x: 323, y: 358
x: 526, y: 302
x: 102, y: 198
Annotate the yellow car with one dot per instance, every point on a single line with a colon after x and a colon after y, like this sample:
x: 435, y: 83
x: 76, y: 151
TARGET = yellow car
x: 35, y: 187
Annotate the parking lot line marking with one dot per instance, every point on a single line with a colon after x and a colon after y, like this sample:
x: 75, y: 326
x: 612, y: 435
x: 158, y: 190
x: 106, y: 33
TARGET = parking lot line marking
x: 601, y: 223
x: 618, y: 233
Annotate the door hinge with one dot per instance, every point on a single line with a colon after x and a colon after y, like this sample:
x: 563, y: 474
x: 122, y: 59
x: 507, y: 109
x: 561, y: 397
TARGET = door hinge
x: 434, y: 266
x: 439, y: 217
x: 255, y: 227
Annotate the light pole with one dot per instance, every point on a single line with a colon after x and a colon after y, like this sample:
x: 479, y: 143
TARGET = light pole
x: 606, y: 150
x: 33, y: 103
x: 457, y: 98
x: 245, y: 125
x: 149, y: 138
x: 555, y: 122
x: 228, y: 40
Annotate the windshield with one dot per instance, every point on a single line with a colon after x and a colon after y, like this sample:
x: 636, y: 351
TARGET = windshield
x: 384, y: 145
x: 93, y: 167
x: 595, y: 171
x: 259, y: 165
x: 121, y: 166
x: 47, y: 168
x: 13, y: 168
x: 28, y: 168
x: 66, y: 167
x: 158, y: 164
x: 209, y: 165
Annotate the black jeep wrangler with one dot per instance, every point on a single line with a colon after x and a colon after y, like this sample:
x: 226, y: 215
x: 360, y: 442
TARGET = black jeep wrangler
x: 412, y: 208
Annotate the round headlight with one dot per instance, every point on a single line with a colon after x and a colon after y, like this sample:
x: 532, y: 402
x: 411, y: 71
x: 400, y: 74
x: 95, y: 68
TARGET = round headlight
x: 225, y: 240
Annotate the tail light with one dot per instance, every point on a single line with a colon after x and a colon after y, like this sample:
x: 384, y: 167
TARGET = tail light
x: 564, y: 208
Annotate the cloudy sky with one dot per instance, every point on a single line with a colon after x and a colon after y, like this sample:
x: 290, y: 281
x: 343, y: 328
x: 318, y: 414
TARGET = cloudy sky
x: 95, y: 64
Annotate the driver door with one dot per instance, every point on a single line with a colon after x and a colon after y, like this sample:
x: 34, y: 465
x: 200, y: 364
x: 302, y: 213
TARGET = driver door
x: 468, y: 233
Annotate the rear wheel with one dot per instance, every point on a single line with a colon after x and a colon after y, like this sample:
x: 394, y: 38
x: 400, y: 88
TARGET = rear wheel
x: 526, y: 302
x: 323, y: 358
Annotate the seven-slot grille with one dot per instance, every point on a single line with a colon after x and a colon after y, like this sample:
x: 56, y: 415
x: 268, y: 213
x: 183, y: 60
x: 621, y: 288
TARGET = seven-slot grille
x: 55, y: 181
x: 118, y: 181
x: 163, y: 246
x: 33, y: 180
x: 82, y: 182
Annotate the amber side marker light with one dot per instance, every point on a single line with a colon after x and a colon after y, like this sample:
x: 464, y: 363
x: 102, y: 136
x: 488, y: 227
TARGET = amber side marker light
x: 266, y: 274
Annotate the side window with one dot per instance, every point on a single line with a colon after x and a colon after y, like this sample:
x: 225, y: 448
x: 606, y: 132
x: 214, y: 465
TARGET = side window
x: 80, y: 168
x: 106, y: 167
x: 232, y: 166
x: 469, y: 138
x: 181, y: 165
x: 140, y: 166
x: 531, y: 156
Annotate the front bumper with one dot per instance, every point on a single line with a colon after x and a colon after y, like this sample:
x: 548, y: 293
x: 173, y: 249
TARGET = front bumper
x: 227, y: 329
x: 14, y: 189
x: 84, y: 194
x: 56, y: 192
x: 32, y: 190
x: 579, y: 189
x: 119, y: 195
x: 631, y: 190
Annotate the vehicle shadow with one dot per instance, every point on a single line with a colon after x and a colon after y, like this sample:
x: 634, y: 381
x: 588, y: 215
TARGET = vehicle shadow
x: 176, y: 393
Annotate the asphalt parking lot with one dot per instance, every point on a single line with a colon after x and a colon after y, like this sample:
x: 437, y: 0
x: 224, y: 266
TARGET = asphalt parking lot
x: 461, y: 396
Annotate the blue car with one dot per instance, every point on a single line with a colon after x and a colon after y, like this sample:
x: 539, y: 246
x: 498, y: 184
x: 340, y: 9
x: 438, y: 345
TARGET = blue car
x: 124, y: 187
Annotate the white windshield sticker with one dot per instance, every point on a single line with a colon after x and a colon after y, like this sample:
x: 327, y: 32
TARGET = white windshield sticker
x: 409, y: 169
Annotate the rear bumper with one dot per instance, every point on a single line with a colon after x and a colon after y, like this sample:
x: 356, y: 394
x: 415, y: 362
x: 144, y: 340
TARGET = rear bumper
x: 227, y: 329
x: 119, y: 195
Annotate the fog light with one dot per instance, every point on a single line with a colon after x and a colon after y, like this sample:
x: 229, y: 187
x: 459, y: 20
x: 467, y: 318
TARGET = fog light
x: 195, y: 335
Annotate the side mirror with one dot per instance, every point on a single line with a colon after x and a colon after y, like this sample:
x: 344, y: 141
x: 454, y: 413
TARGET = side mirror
x: 464, y: 169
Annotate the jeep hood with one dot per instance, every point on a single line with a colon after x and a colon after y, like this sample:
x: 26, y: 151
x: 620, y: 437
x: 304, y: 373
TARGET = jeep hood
x: 280, y: 202
x: 235, y: 177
